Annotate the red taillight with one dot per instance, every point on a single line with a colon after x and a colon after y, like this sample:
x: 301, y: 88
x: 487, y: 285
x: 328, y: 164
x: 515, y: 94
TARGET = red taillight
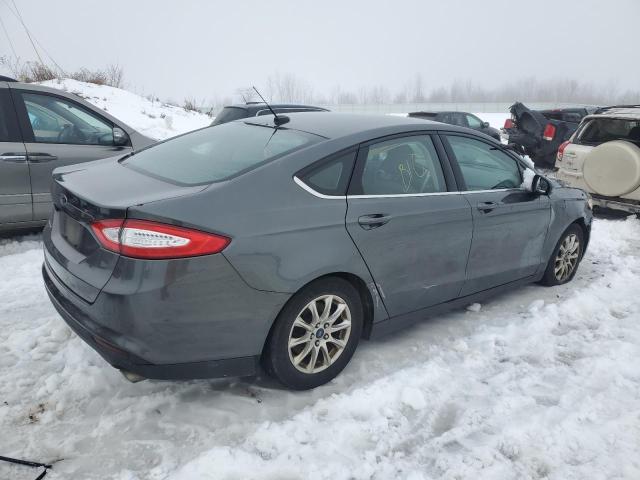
x: 152, y: 240
x: 508, y: 123
x: 561, y: 148
x: 549, y: 132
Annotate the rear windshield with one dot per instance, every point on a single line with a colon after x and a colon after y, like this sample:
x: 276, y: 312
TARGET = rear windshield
x: 217, y: 153
x: 600, y: 130
x: 229, y: 114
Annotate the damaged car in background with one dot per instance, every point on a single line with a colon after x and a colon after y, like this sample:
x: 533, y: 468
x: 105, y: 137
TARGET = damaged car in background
x: 461, y: 119
x: 539, y: 133
x: 603, y: 158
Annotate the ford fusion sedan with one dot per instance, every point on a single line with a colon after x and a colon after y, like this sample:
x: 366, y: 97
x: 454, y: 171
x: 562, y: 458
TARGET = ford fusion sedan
x: 264, y: 244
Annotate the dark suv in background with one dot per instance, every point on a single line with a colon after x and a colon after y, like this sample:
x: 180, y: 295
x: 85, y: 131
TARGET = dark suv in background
x: 256, y: 109
x: 461, y: 119
x: 44, y: 128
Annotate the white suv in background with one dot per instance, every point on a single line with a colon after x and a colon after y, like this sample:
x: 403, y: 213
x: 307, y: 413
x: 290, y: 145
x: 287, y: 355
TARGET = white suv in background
x: 603, y: 158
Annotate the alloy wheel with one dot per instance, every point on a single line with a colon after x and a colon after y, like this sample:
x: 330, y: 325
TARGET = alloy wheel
x: 319, y: 334
x: 567, y: 257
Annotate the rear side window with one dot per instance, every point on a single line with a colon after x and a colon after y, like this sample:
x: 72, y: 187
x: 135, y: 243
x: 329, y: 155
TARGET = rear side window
x: 484, y: 167
x: 601, y: 130
x: 217, y: 153
x: 331, y: 177
x: 8, y: 123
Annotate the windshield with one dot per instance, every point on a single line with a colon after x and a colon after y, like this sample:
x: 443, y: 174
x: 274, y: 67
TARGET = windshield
x: 217, y: 153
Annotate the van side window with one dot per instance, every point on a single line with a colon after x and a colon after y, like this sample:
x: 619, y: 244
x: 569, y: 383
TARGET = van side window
x: 55, y: 120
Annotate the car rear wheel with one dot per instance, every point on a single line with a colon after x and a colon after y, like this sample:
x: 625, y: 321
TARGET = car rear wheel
x: 566, y: 257
x: 315, y: 335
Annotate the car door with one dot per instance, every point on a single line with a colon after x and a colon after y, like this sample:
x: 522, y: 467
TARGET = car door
x: 410, y: 224
x: 58, y: 132
x: 509, y: 223
x: 15, y: 187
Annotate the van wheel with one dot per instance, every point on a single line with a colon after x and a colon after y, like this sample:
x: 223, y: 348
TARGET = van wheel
x: 315, y: 334
x: 566, y: 257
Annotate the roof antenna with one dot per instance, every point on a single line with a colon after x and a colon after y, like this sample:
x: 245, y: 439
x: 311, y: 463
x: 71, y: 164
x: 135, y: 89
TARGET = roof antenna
x: 278, y: 120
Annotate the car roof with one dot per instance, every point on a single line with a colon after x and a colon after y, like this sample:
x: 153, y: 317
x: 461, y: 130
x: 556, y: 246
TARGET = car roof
x: 631, y: 112
x: 334, y: 124
x: 437, y: 113
x: 262, y: 106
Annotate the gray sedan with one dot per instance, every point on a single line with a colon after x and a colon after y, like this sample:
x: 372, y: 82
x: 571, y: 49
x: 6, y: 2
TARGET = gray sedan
x: 280, y: 243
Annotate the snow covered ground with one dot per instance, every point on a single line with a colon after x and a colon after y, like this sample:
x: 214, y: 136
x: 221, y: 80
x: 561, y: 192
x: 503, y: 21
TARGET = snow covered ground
x: 496, y: 120
x: 150, y: 117
x: 537, y: 383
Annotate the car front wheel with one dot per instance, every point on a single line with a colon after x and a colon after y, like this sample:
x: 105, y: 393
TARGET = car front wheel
x: 566, y: 257
x: 315, y: 335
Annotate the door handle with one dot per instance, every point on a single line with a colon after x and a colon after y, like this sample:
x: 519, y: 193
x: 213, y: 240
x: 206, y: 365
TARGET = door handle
x: 374, y: 220
x: 486, y: 207
x: 41, y: 157
x: 13, y: 157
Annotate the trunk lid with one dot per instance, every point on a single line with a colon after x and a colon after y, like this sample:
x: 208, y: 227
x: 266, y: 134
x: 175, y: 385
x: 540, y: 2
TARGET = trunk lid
x: 83, y: 194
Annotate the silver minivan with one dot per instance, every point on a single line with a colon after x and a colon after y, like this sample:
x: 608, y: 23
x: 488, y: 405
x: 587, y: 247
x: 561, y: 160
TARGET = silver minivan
x: 44, y: 128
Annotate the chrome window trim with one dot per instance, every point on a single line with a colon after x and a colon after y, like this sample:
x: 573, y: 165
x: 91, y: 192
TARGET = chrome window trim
x: 313, y: 192
x: 402, y: 195
x: 307, y: 188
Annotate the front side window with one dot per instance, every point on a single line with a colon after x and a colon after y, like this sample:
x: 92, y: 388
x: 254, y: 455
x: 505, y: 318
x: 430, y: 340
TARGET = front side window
x: 407, y: 165
x: 483, y: 166
x: 55, y: 120
x: 473, y: 121
x: 217, y: 153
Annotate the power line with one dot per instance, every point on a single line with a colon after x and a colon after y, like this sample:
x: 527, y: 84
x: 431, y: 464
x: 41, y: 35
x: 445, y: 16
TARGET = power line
x: 8, y: 38
x: 31, y: 36
x: 17, y: 13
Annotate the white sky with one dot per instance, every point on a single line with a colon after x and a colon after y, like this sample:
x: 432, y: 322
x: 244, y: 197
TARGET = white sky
x: 206, y: 49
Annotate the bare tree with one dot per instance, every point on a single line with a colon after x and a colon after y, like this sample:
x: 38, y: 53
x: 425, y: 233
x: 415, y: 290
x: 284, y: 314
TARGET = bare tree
x: 247, y: 94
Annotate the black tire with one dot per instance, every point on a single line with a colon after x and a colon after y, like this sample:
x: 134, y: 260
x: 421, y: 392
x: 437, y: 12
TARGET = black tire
x: 550, y: 278
x: 276, y: 357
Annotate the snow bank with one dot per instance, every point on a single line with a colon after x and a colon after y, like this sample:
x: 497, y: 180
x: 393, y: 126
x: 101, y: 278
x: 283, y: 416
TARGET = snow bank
x: 496, y: 120
x: 150, y: 117
x: 538, y: 383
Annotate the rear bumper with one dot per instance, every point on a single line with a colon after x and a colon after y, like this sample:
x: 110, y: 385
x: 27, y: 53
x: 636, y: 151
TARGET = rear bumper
x: 576, y: 179
x: 604, y: 202
x: 156, y: 332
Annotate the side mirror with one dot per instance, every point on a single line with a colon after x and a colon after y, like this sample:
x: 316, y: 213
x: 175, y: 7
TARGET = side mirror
x: 540, y: 185
x: 485, y: 124
x: 120, y: 137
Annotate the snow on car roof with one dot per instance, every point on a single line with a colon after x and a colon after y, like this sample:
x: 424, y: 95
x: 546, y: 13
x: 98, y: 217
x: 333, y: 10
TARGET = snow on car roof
x: 624, y: 112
